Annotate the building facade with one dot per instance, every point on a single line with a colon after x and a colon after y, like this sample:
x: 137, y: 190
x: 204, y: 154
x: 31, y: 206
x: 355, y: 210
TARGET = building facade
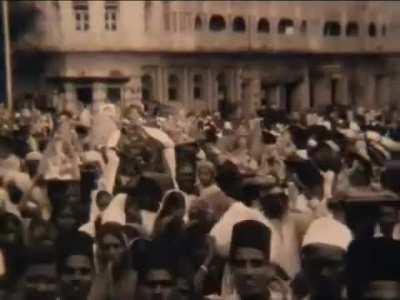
x: 295, y: 54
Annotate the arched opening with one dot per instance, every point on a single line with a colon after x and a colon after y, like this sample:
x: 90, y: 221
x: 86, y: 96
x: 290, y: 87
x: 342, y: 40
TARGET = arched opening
x: 198, y: 87
x: 239, y: 24
x: 147, y: 88
x: 198, y: 24
x: 263, y: 26
x: 173, y: 88
x: 286, y: 27
x: 352, y: 29
x: 217, y: 23
x: 332, y: 28
x: 372, y: 29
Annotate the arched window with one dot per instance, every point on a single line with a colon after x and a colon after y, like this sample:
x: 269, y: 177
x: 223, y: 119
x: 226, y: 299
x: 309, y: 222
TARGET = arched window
x: 239, y: 24
x: 352, y: 29
x: 332, y: 28
x: 198, y: 87
x: 147, y: 88
x: 372, y: 29
x: 198, y: 23
x: 303, y: 27
x: 263, y: 25
x: 217, y: 23
x: 286, y: 26
x: 383, y: 30
x: 173, y: 88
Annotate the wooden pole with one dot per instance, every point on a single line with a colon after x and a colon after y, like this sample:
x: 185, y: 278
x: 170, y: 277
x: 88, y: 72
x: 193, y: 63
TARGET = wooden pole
x: 7, y: 50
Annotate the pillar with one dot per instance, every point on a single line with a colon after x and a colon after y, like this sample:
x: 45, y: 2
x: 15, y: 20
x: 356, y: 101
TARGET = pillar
x: 321, y: 92
x: 342, y: 90
x: 369, y: 95
x: 99, y: 92
x: 210, y: 86
x: 382, y: 92
x: 133, y: 91
x: 70, y: 93
x: 186, y: 95
x: 301, y: 94
x: 158, y: 87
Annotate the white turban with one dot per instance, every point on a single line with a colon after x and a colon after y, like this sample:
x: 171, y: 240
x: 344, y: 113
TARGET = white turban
x: 34, y: 156
x: 115, y: 212
x: 373, y: 136
x: 328, y: 231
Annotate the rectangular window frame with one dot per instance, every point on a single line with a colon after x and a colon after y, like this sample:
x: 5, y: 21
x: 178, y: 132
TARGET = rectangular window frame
x: 111, y: 15
x: 81, y: 14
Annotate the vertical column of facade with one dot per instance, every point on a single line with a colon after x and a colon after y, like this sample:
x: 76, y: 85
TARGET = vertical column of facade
x: 255, y: 94
x: 301, y: 93
x: 342, y: 90
x: 321, y: 92
x: 186, y: 95
x: 382, y: 92
x: 370, y: 93
x: 96, y: 17
x: 210, y: 88
x: 70, y: 92
x: 159, y: 84
x: 99, y: 92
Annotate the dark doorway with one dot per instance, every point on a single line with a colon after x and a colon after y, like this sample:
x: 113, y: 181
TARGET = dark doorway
x: 288, y: 94
x: 334, y: 85
x: 85, y: 94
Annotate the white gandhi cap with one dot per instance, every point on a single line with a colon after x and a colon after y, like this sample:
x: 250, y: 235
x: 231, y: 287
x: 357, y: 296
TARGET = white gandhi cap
x: 328, y: 231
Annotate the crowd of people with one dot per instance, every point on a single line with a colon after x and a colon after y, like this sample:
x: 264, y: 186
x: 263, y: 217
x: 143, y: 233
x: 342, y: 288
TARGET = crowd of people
x: 104, y: 203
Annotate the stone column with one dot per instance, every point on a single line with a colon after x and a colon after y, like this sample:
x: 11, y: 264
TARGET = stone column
x: 70, y: 92
x: 186, y: 83
x: 301, y: 94
x: 369, y: 96
x: 133, y: 90
x: 322, y: 92
x: 382, y: 92
x: 255, y: 95
x: 342, y: 90
x: 99, y: 92
x: 210, y: 89
x: 158, y: 86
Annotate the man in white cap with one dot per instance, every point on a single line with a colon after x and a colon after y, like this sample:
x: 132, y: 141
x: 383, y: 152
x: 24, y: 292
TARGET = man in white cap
x: 323, y: 258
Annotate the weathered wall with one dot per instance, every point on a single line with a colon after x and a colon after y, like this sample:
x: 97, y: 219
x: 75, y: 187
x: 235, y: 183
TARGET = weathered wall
x: 170, y: 26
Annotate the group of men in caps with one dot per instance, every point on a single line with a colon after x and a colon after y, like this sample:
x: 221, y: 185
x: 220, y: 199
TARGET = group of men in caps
x: 100, y: 203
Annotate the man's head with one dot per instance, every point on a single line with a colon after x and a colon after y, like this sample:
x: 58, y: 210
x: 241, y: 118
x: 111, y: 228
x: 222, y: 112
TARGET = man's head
x: 41, y: 279
x: 112, y: 242
x: 11, y: 230
x: 103, y: 199
x: 274, y: 201
x: 249, y: 257
x: 186, y: 177
x: 65, y: 199
x: 42, y: 233
x: 206, y: 173
x: 323, y: 257
x: 75, y: 266
x: 157, y: 274
x: 373, y: 269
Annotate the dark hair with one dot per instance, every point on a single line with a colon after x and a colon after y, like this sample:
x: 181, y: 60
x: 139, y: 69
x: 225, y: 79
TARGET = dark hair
x: 111, y: 228
x: 103, y: 193
x: 173, y: 201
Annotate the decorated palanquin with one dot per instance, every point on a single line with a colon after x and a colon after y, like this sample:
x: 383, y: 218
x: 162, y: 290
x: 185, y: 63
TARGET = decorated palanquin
x: 147, y: 151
